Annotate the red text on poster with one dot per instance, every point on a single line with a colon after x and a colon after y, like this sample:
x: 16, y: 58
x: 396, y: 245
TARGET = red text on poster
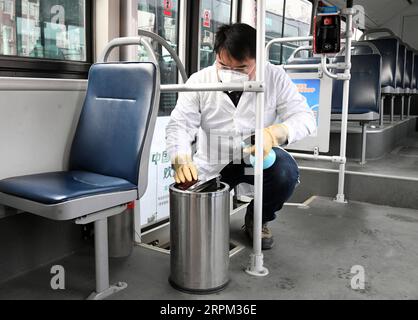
x: 168, y: 6
x: 207, y: 16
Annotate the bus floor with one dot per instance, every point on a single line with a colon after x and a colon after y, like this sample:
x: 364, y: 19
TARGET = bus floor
x: 316, y: 249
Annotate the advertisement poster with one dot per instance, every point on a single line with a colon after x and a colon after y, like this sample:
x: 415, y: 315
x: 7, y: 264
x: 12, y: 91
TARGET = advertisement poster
x: 310, y: 89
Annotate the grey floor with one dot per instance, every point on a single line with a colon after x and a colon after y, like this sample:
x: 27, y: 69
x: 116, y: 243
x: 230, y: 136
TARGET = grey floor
x: 316, y: 249
x: 400, y: 163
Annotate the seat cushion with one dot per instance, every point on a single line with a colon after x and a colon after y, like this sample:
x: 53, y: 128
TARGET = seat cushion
x: 59, y: 187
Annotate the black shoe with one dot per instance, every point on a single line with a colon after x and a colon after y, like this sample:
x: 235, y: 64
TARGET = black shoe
x: 267, y: 239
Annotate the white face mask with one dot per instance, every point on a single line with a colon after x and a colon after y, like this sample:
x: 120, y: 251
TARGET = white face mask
x: 230, y: 76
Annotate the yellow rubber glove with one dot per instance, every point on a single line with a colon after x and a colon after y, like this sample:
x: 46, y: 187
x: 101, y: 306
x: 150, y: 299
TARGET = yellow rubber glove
x: 280, y: 134
x: 274, y: 136
x: 185, y: 169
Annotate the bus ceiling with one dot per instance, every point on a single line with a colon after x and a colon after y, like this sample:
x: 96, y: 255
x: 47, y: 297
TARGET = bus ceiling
x: 377, y: 12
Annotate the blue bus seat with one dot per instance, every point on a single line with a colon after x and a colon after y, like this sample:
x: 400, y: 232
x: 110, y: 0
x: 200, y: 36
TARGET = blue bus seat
x: 365, y: 93
x: 409, y: 70
x: 108, y: 160
x: 389, y: 50
x: 400, y: 76
x: 415, y: 78
x: 365, y: 89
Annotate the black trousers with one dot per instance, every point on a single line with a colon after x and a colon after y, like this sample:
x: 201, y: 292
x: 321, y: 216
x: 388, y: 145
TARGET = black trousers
x: 280, y: 182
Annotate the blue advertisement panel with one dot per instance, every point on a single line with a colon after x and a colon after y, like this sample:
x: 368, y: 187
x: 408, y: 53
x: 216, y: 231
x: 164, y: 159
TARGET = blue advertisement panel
x: 310, y: 89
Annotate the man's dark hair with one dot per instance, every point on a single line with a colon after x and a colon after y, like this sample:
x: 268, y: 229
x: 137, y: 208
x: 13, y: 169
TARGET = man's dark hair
x: 239, y: 40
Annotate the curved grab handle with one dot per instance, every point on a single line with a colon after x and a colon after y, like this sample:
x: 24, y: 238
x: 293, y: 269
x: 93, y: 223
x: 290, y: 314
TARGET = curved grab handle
x: 165, y: 44
x: 127, y: 41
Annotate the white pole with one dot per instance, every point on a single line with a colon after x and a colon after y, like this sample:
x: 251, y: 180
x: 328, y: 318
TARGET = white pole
x: 182, y: 35
x: 344, y: 123
x: 256, y: 267
x: 234, y: 11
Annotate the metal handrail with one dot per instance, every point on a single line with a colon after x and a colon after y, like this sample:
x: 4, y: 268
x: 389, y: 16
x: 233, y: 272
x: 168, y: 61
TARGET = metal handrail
x: 165, y: 44
x: 285, y: 40
x: 127, y: 41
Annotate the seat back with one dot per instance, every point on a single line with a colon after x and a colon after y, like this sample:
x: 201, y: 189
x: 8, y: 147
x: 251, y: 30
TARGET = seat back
x: 389, y: 50
x: 415, y: 78
x: 365, y: 88
x: 400, y: 75
x: 115, y: 129
x: 409, y: 68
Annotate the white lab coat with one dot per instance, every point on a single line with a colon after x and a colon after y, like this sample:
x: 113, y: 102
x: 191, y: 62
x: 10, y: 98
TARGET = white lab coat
x: 220, y: 127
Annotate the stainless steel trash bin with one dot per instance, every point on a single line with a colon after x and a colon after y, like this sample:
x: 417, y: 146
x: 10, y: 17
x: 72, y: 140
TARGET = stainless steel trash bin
x: 121, y: 233
x: 199, y: 239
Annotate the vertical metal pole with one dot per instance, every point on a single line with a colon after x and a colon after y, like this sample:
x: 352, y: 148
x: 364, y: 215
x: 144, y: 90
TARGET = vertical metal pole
x: 256, y: 267
x: 283, y: 27
x: 344, y: 123
x: 101, y: 255
x: 363, y: 143
x: 392, y: 109
x: 129, y: 28
x: 408, y: 114
x: 234, y: 11
x: 182, y: 34
x: 382, y: 112
x: 402, y: 107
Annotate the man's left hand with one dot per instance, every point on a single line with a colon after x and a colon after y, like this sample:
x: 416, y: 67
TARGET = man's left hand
x: 274, y: 136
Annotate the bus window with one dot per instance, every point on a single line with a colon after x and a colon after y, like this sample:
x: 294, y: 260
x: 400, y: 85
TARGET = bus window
x: 161, y: 17
x: 213, y: 14
x: 298, y: 14
x: 43, y: 29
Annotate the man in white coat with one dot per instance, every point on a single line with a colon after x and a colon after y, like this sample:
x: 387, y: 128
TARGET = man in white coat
x: 208, y: 130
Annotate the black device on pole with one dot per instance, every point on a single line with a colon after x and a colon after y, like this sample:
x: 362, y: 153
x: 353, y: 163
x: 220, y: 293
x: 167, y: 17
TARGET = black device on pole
x: 327, y: 33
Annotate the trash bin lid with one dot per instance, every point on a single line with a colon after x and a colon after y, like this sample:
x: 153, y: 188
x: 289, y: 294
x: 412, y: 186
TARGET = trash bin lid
x: 213, y: 183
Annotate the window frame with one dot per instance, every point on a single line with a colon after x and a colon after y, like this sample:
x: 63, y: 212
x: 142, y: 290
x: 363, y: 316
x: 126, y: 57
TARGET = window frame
x: 28, y: 67
x: 193, y: 41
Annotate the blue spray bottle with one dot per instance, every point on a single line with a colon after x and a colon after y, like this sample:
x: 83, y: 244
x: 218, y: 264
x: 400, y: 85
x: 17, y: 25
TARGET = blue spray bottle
x: 268, y: 161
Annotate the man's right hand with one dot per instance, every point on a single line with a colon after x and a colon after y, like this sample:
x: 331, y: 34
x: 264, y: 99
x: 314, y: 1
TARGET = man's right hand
x: 185, y: 169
